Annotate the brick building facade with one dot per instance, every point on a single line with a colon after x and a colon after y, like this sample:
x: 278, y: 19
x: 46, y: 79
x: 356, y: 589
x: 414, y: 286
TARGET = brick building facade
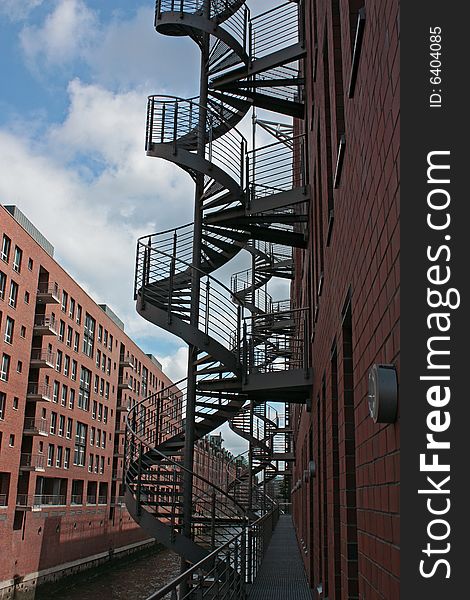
x: 346, y: 475
x: 68, y: 375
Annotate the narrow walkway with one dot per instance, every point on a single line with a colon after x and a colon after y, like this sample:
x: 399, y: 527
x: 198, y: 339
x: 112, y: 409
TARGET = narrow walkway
x: 282, y: 575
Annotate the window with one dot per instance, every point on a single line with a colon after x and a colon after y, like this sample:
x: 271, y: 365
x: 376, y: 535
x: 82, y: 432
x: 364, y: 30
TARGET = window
x: 76, y: 343
x: 12, y: 440
x: 105, y: 418
x: 65, y: 298
x: 13, y: 299
x: 92, y: 436
x: 89, y: 335
x: 58, y: 366
x: 15, y: 403
x: 53, y: 428
x: 17, y: 259
x: 30, y: 264
x: 61, y: 330
x: 100, y: 411
x: 106, y: 392
x: 98, y: 358
x: 80, y: 442
x: 98, y: 438
x: 105, y: 337
x: 3, y: 283
x: 50, y: 455
x: 74, y: 370
x: 5, y: 367
x: 102, y: 464
x: 84, y: 391
x: 23, y: 331
x: 103, y: 440
x: 72, y: 399
x: 61, y: 425
x: 72, y: 308
x: 66, y: 365
x: 103, y: 363
x: 68, y: 433
x: 93, y: 411
x: 58, y: 460
x: 67, y: 458
x: 100, y: 332
x: 55, y: 392
x: 19, y: 366
x: 64, y: 395
x: 96, y: 384
x: 97, y: 464
x: 69, y: 336
x: 41, y: 447
x: 110, y: 342
x: 79, y: 315
x: 6, y: 245
x: 26, y: 297
x: 3, y: 401
x: 9, y: 326
x: 102, y: 387
x: 90, y: 463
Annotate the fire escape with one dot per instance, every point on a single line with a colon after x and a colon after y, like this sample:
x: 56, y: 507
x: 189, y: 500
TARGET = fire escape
x: 245, y: 348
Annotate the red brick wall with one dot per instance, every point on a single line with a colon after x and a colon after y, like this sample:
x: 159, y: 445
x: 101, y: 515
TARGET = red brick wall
x: 360, y: 468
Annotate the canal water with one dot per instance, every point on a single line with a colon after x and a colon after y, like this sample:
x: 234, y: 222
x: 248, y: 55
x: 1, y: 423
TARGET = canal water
x: 130, y: 578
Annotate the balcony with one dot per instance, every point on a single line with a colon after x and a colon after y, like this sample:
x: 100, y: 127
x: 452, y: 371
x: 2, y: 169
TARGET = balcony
x: 35, y: 426
x: 38, y: 392
x: 44, y: 325
x: 35, y: 502
x: 48, y: 293
x: 76, y: 499
x: 125, y: 383
x: 32, y: 462
x: 42, y: 358
x: 125, y: 360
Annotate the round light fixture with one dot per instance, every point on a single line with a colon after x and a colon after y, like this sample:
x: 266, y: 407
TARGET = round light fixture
x: 383, y: 393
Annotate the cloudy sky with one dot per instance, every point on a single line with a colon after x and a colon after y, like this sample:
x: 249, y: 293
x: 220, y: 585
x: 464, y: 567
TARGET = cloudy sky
x: 76, y: 75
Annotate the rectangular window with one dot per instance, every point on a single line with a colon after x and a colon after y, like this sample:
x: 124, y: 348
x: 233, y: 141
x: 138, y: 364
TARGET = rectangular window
x: 53, y: 428
x: 102, y: 387
x: 68, y: 434
x: 109, y: 367
x: 67, y: 458
x: 9, y: 326
x: 98, y: 438
x: 13, y: 298
x: 84, y: 391
x: 61, y: 331
x: 50, y: 455
x: 5, y: 367
x: 79, y: 315
x: 72, y: 308
x: 64, y: 395
x: 100, y: 411
x: 58, y: 460
x: 55, y: 392
x: 110, y: 342
x: 76, y: 343
x: 102, y: 464
x: 69, y: 336
x: 106, y: 391
x: 17, y: 259
x: 96, y: 384
x: 92, y: 436
x: 98, y: 358
x: 103, y: 363
x: 90, y: 463
x: 66, y: 365
x: 6, y: 246
x: 93, y: 412
x: 65, y: 298
x: 100, y: 332
x: 97, y: 464
x: 103, y: 440
x: 89, y: 335
x: 3, y: 284
x: 105, y: 417
x: 58, y: 366
x: 72, y: 399
x: 105, y: 337
x: 80, y: 443
x: 74, y: 370
x: 3, y: 401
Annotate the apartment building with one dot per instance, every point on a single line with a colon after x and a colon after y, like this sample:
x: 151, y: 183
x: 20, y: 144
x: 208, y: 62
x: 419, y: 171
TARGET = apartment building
x: 68, y: 375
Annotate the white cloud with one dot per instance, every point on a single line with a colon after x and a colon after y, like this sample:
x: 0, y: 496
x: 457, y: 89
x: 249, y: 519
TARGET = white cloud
x: 66, y: 32
x: 175, y: 365
x: 17, y: 10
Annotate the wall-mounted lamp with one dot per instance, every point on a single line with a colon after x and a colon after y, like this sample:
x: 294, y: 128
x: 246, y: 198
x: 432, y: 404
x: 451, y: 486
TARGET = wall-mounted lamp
x: 383, y: 393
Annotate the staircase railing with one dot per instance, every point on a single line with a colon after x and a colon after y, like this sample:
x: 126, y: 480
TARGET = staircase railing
x: 276, y: 28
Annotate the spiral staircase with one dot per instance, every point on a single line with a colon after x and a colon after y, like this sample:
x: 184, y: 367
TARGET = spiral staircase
x: 249, y: 348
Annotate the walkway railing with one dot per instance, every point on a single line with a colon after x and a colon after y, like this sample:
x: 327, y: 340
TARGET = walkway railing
x: 224, y: 573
